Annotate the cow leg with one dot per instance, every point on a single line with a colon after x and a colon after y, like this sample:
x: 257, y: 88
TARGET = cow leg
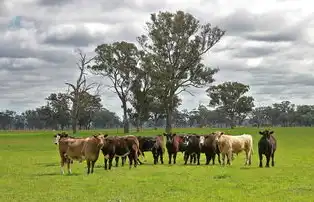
x: 267, y: 160
x: 213, y: 156
x: 246, y: 158
x: 69, y: 166
x: 219, y: 161
x: 93, y: 165
x: 260, y: 159
x: 272, y: 159
x: 135, y: 158
x: 198, y: 158
x: 62, y: 165
x: 191, y: 157
x: 174, y: 157
x: 110, y: 161
x: 123, y: 159
x: 169, y: 155
x: 207, y: 158
x: 117, y: 161
x: 194, y: 158
x: 223, y: 159
x: 229, y: 157
x: 88, y: 166
x: 130, y: 160
x: 105, y: 163
x: 186, y: 158
x: 161, y: 154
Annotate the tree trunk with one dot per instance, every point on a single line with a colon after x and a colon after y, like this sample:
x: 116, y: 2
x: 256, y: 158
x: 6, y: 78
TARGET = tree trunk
x: 125, y: 118
x: 169, y: 121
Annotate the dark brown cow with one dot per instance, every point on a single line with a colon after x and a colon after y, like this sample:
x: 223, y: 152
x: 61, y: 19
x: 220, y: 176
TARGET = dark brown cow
x: 158, y: 149
x: 209, y: 146
x: 267, y: 146
x: 116, y: 146
x: 172, y: 144
x: 146, y: 144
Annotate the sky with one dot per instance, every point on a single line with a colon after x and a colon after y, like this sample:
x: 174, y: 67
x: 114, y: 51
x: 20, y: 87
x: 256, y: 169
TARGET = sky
x: 268, y: 45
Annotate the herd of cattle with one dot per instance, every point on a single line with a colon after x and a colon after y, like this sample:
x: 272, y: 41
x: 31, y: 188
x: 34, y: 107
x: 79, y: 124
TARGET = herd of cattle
x: 192, y: 145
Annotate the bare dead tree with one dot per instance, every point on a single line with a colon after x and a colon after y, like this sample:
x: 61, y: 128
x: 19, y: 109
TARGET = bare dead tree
x: 76, y: 90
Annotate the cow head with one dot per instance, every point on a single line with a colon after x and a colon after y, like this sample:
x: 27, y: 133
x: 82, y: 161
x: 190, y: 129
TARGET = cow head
x: 218, y: 135
x: 266, y: 133
x: 185, y: 140
x: 59, y: 136
x: 169, y: 137
x: 202, y: 140
x: 101, y: 139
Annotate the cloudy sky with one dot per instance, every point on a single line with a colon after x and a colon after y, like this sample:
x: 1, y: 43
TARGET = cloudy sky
x: 268, y: 45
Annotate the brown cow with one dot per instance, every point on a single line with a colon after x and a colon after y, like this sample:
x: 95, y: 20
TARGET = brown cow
x: 173, y: 142
x: 84, y: 149
x: 158, y: 149
x: 209, y: 146
x: 116, y: 146
x: 63, y: 147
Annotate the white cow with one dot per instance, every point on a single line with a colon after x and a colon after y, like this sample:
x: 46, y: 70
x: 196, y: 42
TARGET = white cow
x: 229, y: 144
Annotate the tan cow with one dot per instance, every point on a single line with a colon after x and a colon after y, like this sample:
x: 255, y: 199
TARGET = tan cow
x: 229, y: 144
x: 63, y: 147
x: 81, y: 149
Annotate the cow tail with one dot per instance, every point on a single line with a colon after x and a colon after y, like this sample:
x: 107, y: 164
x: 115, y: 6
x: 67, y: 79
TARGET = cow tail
x: 141, y: 153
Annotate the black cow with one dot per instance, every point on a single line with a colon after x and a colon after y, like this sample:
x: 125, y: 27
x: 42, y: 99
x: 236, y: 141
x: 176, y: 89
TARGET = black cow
x: 193, y: 149
x: 146, y: 144
x: 209, y: 146
x: 267, y: 145
x: 158, y: 149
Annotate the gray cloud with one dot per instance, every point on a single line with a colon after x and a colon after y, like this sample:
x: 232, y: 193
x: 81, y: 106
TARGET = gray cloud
x: 54, y: 2
x: 267, y: 51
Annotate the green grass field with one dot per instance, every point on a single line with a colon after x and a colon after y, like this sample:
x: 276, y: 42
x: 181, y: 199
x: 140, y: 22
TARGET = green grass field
x: 30, y: 171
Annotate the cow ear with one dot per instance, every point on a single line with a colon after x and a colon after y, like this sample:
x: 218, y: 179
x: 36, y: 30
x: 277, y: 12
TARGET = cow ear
x: 174, y: 134
x: 261, y: 133
x: 95, y: 136
x: 106, y: 135
x: 197, y: 136
x: 165, y: 134
x: 271, y: 132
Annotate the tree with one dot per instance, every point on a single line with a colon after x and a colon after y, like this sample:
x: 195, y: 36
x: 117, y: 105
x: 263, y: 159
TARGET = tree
x: 106, y: 119
x: 118, y: 62
x: 59, y: 104
x: 90, y: 104
x: 176, y: 44
x: 141, y: 97
x: 78, y: 89
x: 230, y: 99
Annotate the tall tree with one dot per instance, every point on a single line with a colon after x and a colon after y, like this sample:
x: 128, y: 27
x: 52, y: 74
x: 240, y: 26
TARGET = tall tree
x: 59, y: 104
x: 141, y: 97
x: 90, y: 104
x: 230, y: 99
x: 177, y: 43
x: 78, y: 89
x: 118, y: 62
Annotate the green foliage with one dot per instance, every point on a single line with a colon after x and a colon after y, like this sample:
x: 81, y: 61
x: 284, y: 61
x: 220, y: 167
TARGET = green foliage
x: 176, y: 44
x: 118, y: 62
x: 230, y: 99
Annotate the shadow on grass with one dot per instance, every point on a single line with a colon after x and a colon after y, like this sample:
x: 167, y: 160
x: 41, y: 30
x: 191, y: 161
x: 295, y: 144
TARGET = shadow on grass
x: 55, y: 174
x: 221, y: 177
x: 47, y: 164
x: 248, y: 167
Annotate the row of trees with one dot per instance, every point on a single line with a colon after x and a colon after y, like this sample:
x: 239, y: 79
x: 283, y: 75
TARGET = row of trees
x: 55, y: 115
x: 148, y: 78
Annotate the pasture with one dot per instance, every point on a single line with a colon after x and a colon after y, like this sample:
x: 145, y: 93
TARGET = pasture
x: 30, y: 171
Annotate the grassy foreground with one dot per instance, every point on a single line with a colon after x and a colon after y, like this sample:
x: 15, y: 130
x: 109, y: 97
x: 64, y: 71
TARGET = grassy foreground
x: 29, y: 171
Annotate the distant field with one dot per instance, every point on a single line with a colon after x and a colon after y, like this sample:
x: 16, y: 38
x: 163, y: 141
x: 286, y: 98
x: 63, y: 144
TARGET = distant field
x: 30, y: 171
